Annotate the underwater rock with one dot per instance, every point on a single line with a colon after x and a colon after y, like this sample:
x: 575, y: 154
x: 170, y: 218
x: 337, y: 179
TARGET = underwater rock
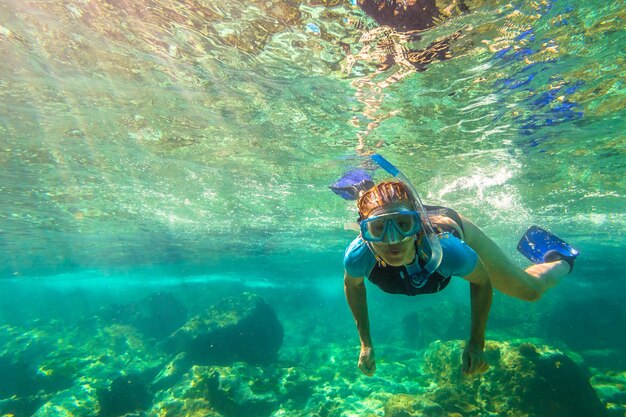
x: 561, y: 388
x: 403, y: 405
x: 54, y: 367
x: 157, y: 315
x: 525, y: 378
x: 26, y: 382
x: 243, y: 328
x: 171, y: 372
x: 127, y: 393
x: 21, y: 376
x: 190, y: 397
x: 102, y: 354
x: 611, y: 388
x: 21, y: 406
x: 78, y: 401
x: 234, y: 391
x: 242, y: 391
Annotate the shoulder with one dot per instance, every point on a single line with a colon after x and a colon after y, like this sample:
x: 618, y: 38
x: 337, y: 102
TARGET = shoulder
x: 358, y: 259
x: 447, y: 219
x: 447, y: 224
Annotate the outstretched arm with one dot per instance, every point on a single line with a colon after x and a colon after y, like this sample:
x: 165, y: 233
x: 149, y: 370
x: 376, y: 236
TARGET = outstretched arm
x: 357, y: 300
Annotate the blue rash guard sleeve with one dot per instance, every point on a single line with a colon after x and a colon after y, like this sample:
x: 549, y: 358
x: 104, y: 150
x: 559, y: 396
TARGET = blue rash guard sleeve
x: 358, y: 259
x: 458, y: 258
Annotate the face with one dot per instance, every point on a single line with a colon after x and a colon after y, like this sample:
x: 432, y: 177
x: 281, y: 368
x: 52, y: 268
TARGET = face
x: 397, y: 253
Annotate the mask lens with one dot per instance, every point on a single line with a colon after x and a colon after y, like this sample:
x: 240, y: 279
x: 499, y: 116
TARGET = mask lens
x: 376, y: 228
x: 405, y: 223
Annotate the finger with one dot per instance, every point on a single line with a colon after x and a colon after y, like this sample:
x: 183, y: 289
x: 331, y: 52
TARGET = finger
x: 473, y: 362
x: 364, y: 367
x: 480, y: 366
x: 477, y: 364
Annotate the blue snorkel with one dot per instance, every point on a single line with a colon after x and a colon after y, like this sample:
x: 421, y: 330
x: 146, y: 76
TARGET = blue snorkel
x: 429, y: 231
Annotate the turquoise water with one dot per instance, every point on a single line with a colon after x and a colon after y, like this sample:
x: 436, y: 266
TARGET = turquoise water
x: 186, y: 148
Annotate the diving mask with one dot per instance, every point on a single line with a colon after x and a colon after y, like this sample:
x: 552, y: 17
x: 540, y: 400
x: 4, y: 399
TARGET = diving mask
x: 390, y: 227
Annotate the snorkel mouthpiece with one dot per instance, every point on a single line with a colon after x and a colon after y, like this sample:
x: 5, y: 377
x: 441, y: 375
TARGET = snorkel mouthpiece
x: 429, y: 232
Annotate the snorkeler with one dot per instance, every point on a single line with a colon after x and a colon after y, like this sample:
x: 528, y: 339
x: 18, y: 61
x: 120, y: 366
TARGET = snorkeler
x: 407, y: 248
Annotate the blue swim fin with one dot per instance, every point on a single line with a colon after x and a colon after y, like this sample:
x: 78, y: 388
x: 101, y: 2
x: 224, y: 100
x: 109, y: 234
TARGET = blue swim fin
x: 541, y: 246
x: 352, y: 183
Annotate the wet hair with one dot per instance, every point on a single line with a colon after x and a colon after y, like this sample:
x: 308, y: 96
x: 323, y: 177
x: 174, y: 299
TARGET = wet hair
x: 379, y: 195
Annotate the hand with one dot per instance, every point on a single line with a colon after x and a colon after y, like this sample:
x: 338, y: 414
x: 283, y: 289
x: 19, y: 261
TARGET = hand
x: 367, y: 364
x: 474, y: 361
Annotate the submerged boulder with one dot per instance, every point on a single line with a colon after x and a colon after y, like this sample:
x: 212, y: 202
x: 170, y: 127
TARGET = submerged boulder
x: 243, y: 328
x: 127, y: 393
x: 524, y: 379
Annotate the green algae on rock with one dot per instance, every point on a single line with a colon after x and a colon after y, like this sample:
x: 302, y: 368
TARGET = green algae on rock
x: 611, y: 388
x: 240, y: 390
x: 79, y: 401
x: 404, y: 405
x: 73, y: 369
x: 524, y: 380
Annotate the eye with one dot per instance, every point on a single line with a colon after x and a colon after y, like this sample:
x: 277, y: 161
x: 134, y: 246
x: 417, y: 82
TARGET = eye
x: 376, y: 228
x: 405, y: 223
